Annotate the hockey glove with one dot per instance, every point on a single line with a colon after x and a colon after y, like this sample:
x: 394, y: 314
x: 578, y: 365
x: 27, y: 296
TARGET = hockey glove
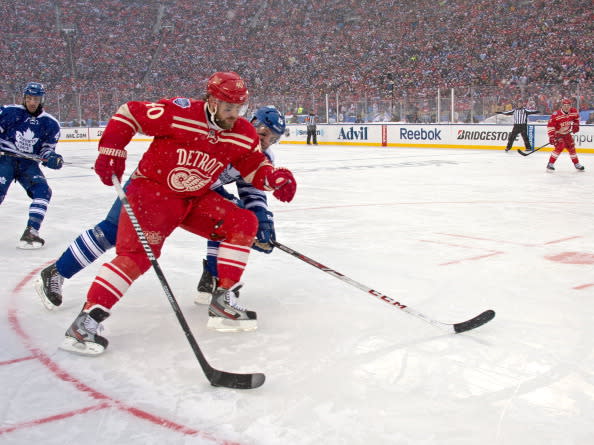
x: 283, y: 183
x: 111, y: 161
x: 265, y: 233
x: 53, y: 161
x: 575, y: 127
x: 553, y: 140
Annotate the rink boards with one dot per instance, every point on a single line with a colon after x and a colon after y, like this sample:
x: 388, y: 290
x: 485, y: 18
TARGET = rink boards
x: 471, y: 136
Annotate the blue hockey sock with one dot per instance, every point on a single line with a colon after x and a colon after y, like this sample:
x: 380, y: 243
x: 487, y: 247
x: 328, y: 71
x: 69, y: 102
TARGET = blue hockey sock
x: 212, y: 252
x: 86, y: 248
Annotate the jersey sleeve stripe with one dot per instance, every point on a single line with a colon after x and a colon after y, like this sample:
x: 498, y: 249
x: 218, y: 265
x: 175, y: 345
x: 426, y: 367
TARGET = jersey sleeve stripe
x: 233, y: 141
x: 250, y: 177
x: 125, y: 116
x: 125, y: 121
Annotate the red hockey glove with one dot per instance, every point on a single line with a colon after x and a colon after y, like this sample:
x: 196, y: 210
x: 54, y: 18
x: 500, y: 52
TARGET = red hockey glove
x: 283, y: 183
x: 553, y: 140
x: 575, y: 127
x: 111, y: 161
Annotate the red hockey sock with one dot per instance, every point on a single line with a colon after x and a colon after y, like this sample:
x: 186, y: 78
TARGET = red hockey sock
x: 231, y: 262
x: 112, y: 281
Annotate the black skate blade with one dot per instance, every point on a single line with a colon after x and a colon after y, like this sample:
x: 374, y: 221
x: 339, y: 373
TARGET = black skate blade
x: 475, y: 322
x: 236, y: 381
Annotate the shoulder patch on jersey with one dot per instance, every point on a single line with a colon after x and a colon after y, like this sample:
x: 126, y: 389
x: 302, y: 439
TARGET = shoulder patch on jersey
x: 182, y: 102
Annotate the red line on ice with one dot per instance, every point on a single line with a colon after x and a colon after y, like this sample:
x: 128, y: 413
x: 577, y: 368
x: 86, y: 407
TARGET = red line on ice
x: 105, y: 401
x: 17, y: 360
x: 19, y: 426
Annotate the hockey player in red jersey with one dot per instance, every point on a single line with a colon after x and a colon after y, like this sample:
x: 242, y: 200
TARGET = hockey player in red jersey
x: 194, y: 140
x: 560, y: 127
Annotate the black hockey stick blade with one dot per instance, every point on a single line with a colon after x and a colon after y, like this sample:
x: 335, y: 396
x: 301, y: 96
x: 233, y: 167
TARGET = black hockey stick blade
x: 526, y: 153
x: 475, y: 322
x: 236, y: 381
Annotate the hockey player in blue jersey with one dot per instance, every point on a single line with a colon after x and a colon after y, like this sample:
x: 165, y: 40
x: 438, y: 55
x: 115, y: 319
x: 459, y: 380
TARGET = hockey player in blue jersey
x: 29, y: 135
x: 91, y: 244
x: 270, y: 126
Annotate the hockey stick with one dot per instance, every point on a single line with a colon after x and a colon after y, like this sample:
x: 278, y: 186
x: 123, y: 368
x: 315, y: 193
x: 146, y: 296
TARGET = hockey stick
x: 8, y: 148
x: 39, y: 158
x: 214, y: 376
x: 464, y: 326
x: 22, y: 155
x: 526, y: 153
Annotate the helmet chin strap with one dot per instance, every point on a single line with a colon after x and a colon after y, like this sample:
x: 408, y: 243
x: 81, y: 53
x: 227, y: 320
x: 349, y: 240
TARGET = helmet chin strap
x: 211, y: 111
x: 212, y: 115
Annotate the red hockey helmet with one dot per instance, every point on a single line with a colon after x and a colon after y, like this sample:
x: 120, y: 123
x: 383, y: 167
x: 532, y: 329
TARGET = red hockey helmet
x: 228, y: 87
x: 566, y: 101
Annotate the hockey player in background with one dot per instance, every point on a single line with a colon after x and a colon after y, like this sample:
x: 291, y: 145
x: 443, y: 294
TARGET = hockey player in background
x: 270, y: 126
x: 92, y: 243
x: 562, y: 124
x: 29, y: 135
x: 193, y: 142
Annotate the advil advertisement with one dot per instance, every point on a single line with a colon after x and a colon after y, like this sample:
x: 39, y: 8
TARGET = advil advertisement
x: 351, y: 134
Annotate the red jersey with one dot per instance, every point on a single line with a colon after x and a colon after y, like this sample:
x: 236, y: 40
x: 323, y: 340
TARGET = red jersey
x: 562, y: 123
x: 187, y: 153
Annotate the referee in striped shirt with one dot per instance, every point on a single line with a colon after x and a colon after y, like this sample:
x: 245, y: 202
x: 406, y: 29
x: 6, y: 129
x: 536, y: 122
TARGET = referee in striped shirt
x: 520, y: 125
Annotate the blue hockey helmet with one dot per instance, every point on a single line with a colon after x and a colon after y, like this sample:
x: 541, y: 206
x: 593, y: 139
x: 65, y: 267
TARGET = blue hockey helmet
x: 270, y: 117
x: 34, y: 89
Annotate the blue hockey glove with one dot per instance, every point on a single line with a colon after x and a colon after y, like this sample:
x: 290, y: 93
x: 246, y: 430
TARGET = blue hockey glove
x: 265, y: 233
x: 54, y: 161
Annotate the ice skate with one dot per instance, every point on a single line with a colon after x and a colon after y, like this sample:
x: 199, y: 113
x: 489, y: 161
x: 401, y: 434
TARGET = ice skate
x: 30, y: 239
x: 550, y: 167
x: 206, y: 286
x: 49, y: 287
x: 226, y: 315
x: 81, y: 336
x: 579, y: 167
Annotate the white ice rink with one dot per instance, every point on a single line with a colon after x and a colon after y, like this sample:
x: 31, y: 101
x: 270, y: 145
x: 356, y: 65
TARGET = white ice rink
x: 449, y: 233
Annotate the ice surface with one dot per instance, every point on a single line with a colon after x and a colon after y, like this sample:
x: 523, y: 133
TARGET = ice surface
x: 449, y: 233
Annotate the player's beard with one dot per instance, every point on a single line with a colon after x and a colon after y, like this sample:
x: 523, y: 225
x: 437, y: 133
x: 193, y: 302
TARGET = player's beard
x: 225, y: 124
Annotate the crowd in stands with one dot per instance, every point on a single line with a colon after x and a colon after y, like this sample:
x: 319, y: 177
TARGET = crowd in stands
x: 292, y: 51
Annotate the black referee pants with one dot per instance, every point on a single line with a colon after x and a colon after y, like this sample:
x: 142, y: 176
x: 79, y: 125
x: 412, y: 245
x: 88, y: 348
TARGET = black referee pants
x: 312, y: 133
x: 519, y: 129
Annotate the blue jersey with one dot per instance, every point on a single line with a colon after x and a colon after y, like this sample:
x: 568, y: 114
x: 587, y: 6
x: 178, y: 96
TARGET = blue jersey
x: 21, y: 132
x: 251, y: 197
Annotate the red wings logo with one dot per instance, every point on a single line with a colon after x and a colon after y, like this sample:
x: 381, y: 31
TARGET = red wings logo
x: 185, y: 180
x: 153, y: 237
